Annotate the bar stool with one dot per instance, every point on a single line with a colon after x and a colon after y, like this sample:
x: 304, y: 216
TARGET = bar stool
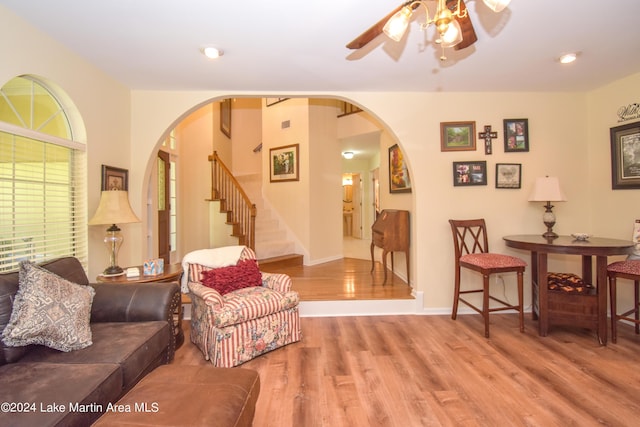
x: 630, y: 270
x: 472, y: 252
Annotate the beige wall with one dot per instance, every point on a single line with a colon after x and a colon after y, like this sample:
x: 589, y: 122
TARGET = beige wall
x: 102, y: 102
x: 568, y: 135
x: 245, y: 138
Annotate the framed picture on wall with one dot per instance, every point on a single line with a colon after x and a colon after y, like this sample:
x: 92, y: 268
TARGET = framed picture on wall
x: 225, y: 117
x: 516, y: 135
x: 284, y: 163
x: 469, y: 173
x: 625, y: 156
x: 114, y: 179
x: 508, y: 175
x: 458, y: 136
x: 399, y: 181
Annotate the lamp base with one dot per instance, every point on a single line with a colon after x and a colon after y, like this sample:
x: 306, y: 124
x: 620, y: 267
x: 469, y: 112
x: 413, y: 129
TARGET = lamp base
x: 112, y: 271
x: 549, y: 219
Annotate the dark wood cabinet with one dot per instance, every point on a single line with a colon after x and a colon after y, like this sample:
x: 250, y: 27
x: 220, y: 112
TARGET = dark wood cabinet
x: 390, y: 232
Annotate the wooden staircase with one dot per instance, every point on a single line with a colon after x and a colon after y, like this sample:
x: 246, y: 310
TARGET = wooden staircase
x: 238, y: 197
x: 275, y: 264
x: 241, y: 213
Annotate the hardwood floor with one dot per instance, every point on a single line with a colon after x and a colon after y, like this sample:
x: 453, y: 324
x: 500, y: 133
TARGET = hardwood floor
x: 349, y: 278
x: 346, y: 279
x: 432, y: 371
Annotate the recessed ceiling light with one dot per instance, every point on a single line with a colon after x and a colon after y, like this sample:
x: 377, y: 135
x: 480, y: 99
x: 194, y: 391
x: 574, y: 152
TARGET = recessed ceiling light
x: 212, y: 52
x: 568, y: 58
x: 348, y: 155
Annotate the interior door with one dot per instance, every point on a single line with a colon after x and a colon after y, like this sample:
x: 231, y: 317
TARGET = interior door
x: 164, y: 246
x: 357, y: 206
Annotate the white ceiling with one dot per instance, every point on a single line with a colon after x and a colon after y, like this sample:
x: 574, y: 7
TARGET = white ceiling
x: 279, y: 46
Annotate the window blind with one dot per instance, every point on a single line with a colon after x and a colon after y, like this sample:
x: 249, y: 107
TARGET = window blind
x: 42, y: 201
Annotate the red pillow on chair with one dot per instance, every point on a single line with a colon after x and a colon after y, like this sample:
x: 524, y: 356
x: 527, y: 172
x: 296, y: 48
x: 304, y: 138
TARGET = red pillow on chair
x: 245, y: 274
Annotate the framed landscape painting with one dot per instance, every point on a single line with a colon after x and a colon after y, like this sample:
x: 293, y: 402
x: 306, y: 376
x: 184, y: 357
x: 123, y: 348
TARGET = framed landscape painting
x: 458, y: 136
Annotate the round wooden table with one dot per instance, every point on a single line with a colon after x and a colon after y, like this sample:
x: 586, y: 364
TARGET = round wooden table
x: 172, y: 273
x: 584, y: 310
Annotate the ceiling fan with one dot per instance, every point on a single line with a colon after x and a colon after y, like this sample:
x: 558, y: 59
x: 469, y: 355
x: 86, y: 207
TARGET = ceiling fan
x: 451, y: 19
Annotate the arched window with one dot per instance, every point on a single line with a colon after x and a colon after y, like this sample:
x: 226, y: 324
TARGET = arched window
x: 42, y: 176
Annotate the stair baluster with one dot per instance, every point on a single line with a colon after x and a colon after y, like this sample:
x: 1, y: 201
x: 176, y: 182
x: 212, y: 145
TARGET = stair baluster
x: 241, y: 213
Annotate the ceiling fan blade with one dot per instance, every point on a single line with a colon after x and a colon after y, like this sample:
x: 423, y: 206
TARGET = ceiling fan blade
x: 372, y: 32
x: 468, y: 33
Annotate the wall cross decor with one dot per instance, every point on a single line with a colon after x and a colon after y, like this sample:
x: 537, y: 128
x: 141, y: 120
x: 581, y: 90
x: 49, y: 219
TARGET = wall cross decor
x: 487, y: 135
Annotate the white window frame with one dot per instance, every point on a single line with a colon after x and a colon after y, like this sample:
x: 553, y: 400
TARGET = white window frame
x: 43, y: 246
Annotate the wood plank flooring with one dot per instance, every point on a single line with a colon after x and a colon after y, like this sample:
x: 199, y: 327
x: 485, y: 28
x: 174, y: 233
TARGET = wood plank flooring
x: 345, y: 279
x: 432, y: 371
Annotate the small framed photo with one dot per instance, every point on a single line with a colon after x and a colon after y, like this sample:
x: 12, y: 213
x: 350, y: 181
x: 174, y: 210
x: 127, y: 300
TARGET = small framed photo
x: 516, y: 135
x: 225, y: 117
x: 399, y: 181
x: 469, y: 173
x: 508, y: 175
x: 458, y: 136
x: 284, y: 163
x: 625, y: 156
x: 114, y: 179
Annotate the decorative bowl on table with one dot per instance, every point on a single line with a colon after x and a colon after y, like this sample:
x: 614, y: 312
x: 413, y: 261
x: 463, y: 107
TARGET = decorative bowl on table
x: 581, y: 236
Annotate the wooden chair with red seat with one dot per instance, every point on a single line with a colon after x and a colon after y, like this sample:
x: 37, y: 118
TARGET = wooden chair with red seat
x: 630, y: 270
x: 472, y: 252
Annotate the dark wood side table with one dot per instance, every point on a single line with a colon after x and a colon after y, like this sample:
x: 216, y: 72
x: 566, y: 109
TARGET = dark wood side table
x: 588, y: 311
x: 172, y: 273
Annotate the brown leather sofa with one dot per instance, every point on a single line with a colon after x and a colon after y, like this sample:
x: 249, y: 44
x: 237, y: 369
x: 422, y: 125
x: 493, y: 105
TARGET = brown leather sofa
x: 132, y: 334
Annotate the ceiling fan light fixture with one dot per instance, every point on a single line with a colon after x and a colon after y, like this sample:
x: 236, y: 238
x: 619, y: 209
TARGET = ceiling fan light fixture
x: 452, y: 36
x: 497, y: 5
x: 442, y: 20
x: 397, y: 25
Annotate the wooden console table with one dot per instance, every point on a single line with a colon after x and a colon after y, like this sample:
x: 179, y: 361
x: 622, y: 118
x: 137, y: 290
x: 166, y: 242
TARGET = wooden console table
x: 390, y: 232
x: 172, y: 273
x: 586, y: 310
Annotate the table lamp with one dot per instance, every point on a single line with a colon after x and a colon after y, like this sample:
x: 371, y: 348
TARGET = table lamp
x: 114, y: 208
x: 547, y: 189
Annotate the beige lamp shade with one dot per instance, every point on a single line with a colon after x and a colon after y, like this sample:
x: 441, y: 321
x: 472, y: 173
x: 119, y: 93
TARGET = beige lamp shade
x: 114, y: 208
x: 547, y: 189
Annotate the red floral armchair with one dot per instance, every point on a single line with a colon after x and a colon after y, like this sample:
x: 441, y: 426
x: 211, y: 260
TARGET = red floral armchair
x: 234, y: 315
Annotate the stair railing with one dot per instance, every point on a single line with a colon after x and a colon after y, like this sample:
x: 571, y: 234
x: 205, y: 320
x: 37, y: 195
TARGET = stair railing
x: 241, y: 213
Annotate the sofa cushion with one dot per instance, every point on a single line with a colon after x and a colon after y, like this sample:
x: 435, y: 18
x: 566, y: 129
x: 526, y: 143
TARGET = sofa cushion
x: 136, y: 347
x: 251, y: 303
x: 208, y: 396
x: 46, y: 384
x: 245, y: 274
x: 50, y: 311
x: 68, y: 267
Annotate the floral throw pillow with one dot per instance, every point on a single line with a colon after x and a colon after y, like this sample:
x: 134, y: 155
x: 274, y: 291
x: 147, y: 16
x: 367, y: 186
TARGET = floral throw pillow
x: 245, y: 274
x: 50, y: 311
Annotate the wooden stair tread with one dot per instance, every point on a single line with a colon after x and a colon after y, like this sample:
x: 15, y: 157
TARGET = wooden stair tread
x: 281, y: 261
